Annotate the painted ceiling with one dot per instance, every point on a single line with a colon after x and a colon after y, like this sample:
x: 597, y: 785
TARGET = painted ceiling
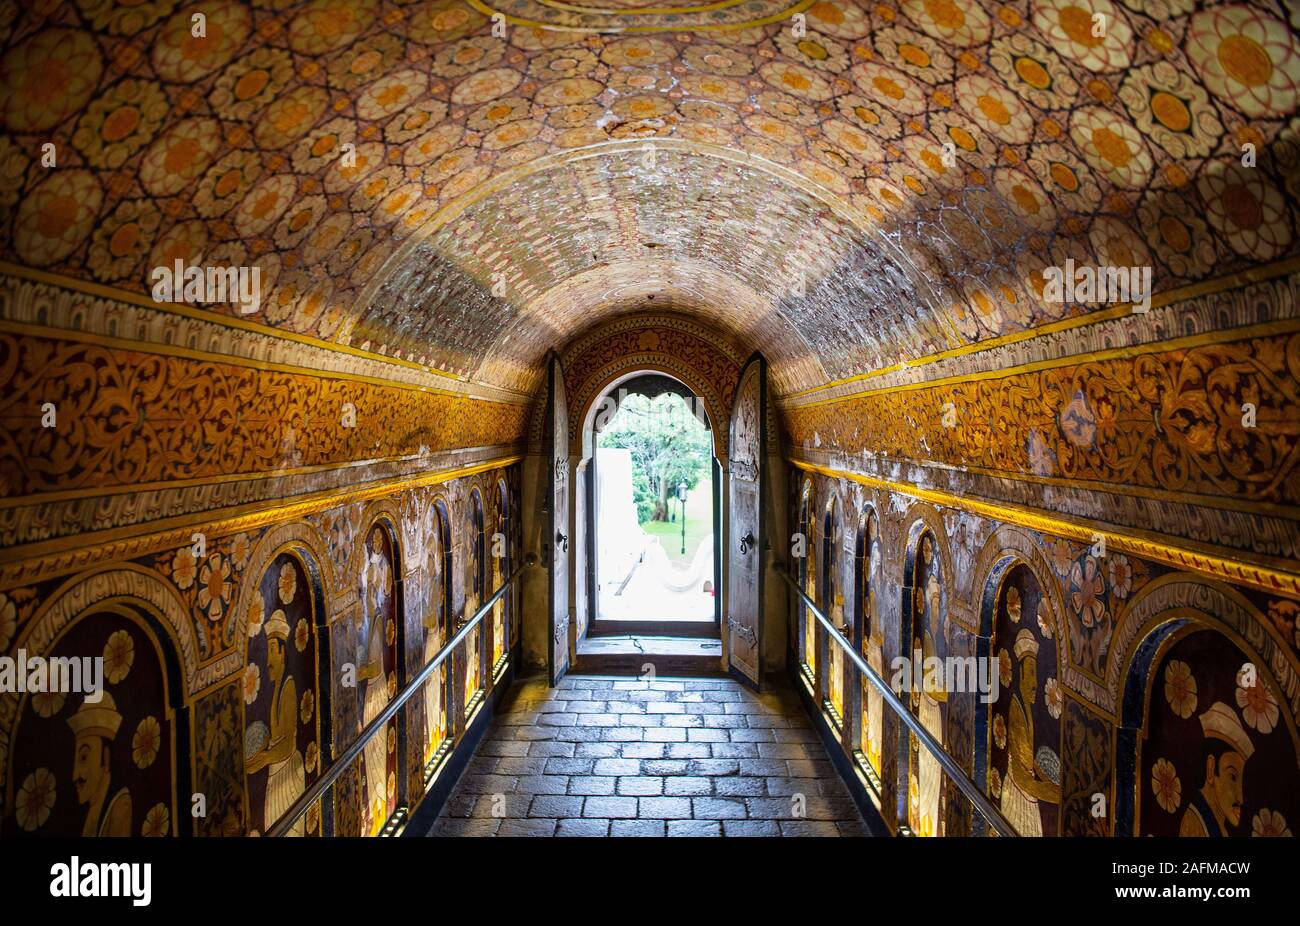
x: 886, y: 186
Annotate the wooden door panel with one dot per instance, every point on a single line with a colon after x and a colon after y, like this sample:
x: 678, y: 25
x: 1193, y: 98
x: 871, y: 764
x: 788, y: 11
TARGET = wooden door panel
x: 745, y: 546
x: 557, y: 537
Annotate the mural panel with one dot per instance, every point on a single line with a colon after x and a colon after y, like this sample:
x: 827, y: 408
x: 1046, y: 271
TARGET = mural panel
x: 475, y: 582
x: 97, y: 764
x: 437, y: 614
x: 928, y: 696
x: 1024, y: 777
x: 377, y: 680
x: 282, y: 728
x: 1219, y: 757
x: 873, y: 638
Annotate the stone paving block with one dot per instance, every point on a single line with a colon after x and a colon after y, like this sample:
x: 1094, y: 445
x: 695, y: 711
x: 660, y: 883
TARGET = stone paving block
x: 740, y: 787
x: 638, y: 786
x: 591, y: 784
x: 543, y: 784
x: 687, y: 785
x: 554, y: 805
x: 666, y: 766
x: 596, y: 750
x: 664, y: 808
x: 537, y: 827
x: 550, y: 749
x: 808, y: 828
x: 643, y: 750
x: 617, y: 767
x: 715, y: 766
x: 460, y: 826
x: 569, y: 766
x: 582, y: 828
x: 713, y: 808
x: 707, y: 735
x: 637, y: 828
x: 610, y: 808
x: 665, y: 734
x: 694, y: 828
x: 750, y: 828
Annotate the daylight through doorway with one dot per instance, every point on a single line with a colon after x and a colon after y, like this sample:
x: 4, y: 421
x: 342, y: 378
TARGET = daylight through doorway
x: 654, y: 505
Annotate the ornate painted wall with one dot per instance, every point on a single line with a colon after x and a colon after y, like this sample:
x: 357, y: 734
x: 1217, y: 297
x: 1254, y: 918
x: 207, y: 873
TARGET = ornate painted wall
x: 234, y: 660
x: 1091, y: 649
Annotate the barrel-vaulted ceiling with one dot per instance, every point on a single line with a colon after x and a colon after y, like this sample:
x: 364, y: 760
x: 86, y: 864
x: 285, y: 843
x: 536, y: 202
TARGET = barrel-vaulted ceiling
x: 887, y: 185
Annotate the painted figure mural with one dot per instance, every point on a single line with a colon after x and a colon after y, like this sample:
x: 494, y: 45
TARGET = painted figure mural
x: 1024, y: 776
x: 437, y: 611
x: 475, y: 579
x: 873, y: 639
x: 97, y: 763
x: 808, y: 577
x: 281, y: 709
x: 377, y: 683
x: 1220, y: 754
x: 928, y: 695
x: 501, y: 565
x: 833, y: 603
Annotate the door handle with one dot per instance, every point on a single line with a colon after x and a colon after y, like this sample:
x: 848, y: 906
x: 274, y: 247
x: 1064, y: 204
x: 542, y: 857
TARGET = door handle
x: 747, y: 543
x: 561, y: 542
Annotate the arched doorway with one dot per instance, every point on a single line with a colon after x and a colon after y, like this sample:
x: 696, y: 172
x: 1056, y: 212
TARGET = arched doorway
x: 652, y: 516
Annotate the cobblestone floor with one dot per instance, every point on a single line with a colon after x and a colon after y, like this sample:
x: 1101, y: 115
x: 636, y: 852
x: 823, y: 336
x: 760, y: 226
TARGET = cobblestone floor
x: 603, y: 756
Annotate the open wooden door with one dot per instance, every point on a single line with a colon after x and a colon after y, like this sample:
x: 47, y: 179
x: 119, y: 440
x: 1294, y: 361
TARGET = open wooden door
x: 556, y: 540
x: 745, y: 548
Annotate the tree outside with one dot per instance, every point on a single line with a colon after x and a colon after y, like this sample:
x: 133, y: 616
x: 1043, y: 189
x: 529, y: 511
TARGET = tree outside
x: 669, y: 445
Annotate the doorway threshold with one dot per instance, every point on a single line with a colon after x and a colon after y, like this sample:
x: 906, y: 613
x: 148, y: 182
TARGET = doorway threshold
x: 632, y: 654
x: 603, y: 627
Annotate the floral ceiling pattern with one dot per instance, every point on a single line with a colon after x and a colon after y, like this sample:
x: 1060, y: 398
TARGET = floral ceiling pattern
x: 415, y: 184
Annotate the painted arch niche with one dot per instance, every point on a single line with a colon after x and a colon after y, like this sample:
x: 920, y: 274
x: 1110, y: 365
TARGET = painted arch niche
x: 369, y: 795
x: 1024, y: 728
x: 927, y: 697
x: 868, y: 559
x: 437, y: 613
x: 106, y: 767
x: 1220, y: 754
x: 282, y: 709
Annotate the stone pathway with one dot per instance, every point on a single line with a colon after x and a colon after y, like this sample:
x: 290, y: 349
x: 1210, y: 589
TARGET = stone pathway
x: 610, y: 756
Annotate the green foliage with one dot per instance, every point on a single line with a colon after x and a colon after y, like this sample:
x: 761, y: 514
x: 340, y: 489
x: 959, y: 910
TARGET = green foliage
x: 642, y: 496
x: 668, y: 444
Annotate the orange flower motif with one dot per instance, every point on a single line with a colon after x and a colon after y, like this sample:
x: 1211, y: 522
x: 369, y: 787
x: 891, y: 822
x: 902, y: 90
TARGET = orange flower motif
x: 1247, y: 58
x: 1166, y: 786
x: 47, y: 78
x: 119, y: 653
x: 35, y: 800
x: 1269, y: 823
x: 1180, y: 688
x: 157, y: 822
x: 146, y: 742
x: 1258, y: 706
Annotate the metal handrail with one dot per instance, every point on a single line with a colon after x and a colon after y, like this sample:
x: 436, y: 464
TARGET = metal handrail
x: 344, y: 761
x: 949, y: 764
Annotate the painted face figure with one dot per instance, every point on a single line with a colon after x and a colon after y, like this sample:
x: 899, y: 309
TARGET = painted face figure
x: 1224, y: 779
x: 89, y: 767
x: 275, y: 659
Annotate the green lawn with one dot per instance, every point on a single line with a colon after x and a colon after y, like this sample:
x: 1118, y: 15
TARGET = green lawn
x: 699, y: 523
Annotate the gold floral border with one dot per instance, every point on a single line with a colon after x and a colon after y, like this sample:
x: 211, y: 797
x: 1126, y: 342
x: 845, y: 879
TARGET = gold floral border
x: 30, y: 563
x: 1191, y: 558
